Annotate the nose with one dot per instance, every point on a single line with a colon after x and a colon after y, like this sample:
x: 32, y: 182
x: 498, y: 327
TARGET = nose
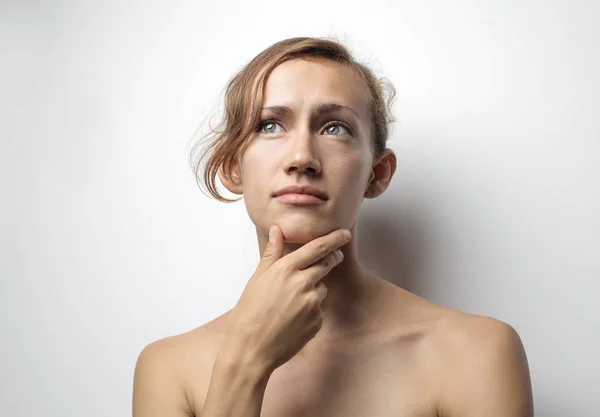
x: 301, y: 155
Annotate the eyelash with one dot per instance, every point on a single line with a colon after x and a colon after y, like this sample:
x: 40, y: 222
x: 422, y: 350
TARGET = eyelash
x: 331, y: 123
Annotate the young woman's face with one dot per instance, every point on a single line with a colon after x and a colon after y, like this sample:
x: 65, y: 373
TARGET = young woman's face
x: 332, y: 151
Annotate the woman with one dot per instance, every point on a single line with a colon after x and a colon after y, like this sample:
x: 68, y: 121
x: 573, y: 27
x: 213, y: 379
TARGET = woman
x: 314, y: 333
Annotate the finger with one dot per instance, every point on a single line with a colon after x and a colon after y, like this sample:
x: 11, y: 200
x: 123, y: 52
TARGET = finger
x: 320, y: 269
x: 274, y: 249
x: 321, y: 290
x: 317, y: 249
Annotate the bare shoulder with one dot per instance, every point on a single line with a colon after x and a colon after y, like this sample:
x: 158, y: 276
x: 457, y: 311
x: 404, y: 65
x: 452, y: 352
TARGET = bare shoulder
x: 173, y: 373
x: 458, y: 331
x: 157, y: 385
x: 483, y: 365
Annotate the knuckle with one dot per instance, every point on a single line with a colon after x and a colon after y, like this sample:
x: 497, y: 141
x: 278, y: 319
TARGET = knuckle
x: 306, y: 282
x: 329, y: 261
x: 322, y: 248
x: 333, y: 256
x: 315, y: 301
x: 323, y: 295
x: 286, y: 269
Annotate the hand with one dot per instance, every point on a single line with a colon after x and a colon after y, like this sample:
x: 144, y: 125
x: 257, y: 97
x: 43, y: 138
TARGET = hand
x: 279, y: 311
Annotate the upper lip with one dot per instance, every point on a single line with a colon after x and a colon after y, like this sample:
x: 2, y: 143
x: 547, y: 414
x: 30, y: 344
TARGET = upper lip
x: 302, y: 189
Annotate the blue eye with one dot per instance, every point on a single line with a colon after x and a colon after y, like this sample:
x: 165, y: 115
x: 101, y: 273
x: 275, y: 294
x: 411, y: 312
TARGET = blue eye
x: 275, y: 122
x: 338, y: 125
x: 266, y: 122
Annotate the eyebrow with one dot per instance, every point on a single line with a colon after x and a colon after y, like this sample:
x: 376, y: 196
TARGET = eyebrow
x: 321, y: 108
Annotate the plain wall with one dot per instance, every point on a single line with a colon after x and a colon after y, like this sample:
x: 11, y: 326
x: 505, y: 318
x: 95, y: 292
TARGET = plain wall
x: 108, y: 244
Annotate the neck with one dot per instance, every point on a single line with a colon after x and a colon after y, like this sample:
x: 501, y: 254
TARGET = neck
x: 350, y: 290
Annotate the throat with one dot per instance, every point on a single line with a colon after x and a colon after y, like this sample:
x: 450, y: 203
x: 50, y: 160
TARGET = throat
x: 351, y: 311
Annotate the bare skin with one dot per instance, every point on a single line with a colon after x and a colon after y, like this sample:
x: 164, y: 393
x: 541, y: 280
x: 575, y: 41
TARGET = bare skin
x: 376, y: 374
x: 417, y: 360
x: 382, y: 351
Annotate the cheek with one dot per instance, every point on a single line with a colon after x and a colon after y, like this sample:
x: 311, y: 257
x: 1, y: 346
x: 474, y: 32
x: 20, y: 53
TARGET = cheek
x: 257, y: 174
x: 358, y: 167
x: 254, y: 165
x: 354, y: 177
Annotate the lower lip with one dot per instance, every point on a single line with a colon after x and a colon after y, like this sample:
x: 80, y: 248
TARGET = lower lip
x: 299, y: 199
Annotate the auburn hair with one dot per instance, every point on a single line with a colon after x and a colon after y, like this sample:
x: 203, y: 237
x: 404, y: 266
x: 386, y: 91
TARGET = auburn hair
x: 244, y: 99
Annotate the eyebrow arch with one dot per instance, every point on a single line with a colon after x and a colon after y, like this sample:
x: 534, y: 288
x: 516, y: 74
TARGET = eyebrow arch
x: 321, y: 108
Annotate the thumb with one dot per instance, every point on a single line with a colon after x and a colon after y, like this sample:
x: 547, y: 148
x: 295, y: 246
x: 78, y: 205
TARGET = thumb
x: 274, y: 249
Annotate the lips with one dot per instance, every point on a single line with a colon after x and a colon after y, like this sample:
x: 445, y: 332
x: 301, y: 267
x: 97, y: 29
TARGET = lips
x: 302, y: 189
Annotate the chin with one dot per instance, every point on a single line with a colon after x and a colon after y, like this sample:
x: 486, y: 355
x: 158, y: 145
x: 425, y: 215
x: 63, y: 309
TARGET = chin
x: 303, y: 233
x: 298, y: 238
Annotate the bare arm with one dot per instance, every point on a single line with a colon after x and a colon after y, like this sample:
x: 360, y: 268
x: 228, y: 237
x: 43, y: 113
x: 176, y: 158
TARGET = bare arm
x: 156, y: 389
x: 237, y: 385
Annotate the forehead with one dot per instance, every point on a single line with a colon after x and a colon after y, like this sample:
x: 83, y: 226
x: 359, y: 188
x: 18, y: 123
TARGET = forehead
x: 299, y: 82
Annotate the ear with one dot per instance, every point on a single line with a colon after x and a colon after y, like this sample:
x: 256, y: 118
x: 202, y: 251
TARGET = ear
x: 231, y: 180
x: 381, y: 174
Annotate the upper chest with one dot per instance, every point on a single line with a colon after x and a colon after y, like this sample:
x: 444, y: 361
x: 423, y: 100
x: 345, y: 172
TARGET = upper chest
x: 395, y: 377
x: 380, y: 380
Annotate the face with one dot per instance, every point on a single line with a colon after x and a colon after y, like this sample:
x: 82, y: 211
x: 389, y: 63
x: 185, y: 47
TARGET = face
x: 330, y: 150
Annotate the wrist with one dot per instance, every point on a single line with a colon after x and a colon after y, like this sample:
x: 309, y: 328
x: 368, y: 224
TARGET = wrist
x: 235, y: 359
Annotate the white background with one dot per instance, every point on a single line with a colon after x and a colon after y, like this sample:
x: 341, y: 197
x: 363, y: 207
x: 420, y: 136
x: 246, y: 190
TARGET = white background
x: 108, y: 244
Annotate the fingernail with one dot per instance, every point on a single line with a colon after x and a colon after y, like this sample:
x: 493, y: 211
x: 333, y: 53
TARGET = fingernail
x: 271, y: 234
x: 347, y: 235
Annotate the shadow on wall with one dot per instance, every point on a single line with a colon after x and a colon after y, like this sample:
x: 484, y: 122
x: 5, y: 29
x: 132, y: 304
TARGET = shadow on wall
x: 393, y: 243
